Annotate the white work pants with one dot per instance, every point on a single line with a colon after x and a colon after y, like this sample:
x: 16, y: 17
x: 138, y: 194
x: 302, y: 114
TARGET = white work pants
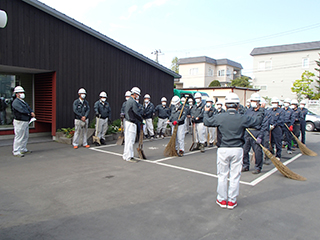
x: 212, y: 134
x: 200, y: 133
x: 162, y: 125
x: 180, y: 138
x: 148, y: 127
x: 130, y: 137
x: 21, y: 136
x: 102, y: 128
x: 80, y: 132
x: 229, y: 164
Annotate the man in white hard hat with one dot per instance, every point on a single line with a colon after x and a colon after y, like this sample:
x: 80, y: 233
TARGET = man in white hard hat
x: 133, y: 117
x: 148, y: 111
x: 164, y: 113
x: 289, y: 121
x: 176, y: 108
x: 258, y: 132
x: 22, y: 113
x: 81, y: 111
x: 183, y: 100
x: 127, y: 96
x: 102, y: 110
x: 197, y: 120
x: 297, y: 115
x: 211, y: 131
x: 232, y: 125
x: 188, y: 112
x: 304, y: 112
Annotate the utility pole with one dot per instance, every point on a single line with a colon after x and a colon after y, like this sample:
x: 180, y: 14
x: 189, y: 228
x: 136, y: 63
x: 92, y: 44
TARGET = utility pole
x: 156, y: 52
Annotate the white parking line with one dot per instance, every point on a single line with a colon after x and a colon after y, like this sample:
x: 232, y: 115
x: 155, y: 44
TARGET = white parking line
x: 104, y: 151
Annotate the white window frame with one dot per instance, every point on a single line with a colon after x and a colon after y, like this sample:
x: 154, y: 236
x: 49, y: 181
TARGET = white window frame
x: 221, y: 73
x: 305, y: 63
x: 193, y: 71
x: 210, y: 72
x: 265, y: 65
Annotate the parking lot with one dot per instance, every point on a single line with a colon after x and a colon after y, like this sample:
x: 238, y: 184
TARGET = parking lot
x: 61, y: 193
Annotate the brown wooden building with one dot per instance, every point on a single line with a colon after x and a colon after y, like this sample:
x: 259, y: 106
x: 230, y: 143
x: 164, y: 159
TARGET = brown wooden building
x: 52, y: 55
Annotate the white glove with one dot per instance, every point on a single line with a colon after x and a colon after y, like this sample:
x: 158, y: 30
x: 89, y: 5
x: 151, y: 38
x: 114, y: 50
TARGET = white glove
x: 271, y: 127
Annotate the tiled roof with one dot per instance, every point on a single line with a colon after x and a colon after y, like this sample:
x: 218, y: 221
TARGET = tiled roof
x: 296, y: 47
x: 203, y: 59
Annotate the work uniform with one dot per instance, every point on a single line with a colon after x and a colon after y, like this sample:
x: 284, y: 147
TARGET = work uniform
x: 211, y: 131
x: 289, y: 121
x: 276, y: 119
x: 133, y: 117
x: 304, y: 112
x: 175, y: 113
x: 297, y: 115
x: 148, y: 110
x: 103, y: 112
x: 218, y: 141
x: 231, y: 125
x: 258, y: 132
x: 22, y: 115
x: 186, y: 120
x: 164, y: 113
x: 80, y: 108
x: 197, y: 117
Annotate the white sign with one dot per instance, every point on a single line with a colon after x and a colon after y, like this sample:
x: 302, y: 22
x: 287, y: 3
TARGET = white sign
x: 3, y: 19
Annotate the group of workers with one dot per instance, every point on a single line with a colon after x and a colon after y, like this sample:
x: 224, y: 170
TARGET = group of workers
x: 235, y: 131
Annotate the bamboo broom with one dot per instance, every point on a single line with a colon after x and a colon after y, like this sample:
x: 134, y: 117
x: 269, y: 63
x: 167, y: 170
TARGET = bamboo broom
x: 303, y: 148
x: 278, y: 164
x: 170, y: 150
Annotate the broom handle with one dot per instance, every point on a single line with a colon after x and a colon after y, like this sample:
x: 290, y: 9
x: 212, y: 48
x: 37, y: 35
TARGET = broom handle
x: 182, y: 109
x: 253, y: 136
x: 289, y: 129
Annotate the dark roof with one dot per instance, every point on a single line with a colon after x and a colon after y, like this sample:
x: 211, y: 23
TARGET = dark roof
x: 45, y: 8
x: 203, y: 59
x: 296, y: 47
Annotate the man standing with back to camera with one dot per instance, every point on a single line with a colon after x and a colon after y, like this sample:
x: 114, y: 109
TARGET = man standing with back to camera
x: 231, y: 125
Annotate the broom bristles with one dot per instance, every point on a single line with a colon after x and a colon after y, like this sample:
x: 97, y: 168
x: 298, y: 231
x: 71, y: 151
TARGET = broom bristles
x: 170, y: 150
x: 281, y: 167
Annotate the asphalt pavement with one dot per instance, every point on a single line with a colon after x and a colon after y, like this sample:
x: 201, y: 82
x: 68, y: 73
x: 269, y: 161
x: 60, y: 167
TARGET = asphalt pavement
x: 57, y: 192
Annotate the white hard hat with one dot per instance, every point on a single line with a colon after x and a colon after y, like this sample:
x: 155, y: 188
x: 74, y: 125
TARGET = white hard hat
x: 255, y: 97
x: 147, y: 96
x: 209, y: 100
x: 287, y: 100
x: 135, y: 90
x: 294, y: 101
x: 82, y: 90
x: 232, y: 98
x: 103, y: 94
x: 217, y: 103
x: 280, y: 103
x: 197, y: 95
x: 303, y: 102
x: 175, y: 100
x: 262, y: 100
x: 18, y: 89
x: 190, y: 100
x: 248, y: 100
x: 163, y: 99
x: 275, y: 99
x: 128, y: 94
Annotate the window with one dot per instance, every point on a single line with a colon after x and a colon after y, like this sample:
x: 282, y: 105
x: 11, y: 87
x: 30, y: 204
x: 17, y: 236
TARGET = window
x: 228, y: 72
x: 210, y: 72
x: 265, y: 65
x: 221, y: 73
x: 193, y: 71
x: 305, y: 62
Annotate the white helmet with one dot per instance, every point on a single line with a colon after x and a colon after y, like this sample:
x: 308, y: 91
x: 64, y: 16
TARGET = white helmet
x: 219, y: 103
x: 294, y: 101
x: 232, y: 98
x: 255, y: 97
x: 147, y: 96
x: 287, y: 100
x: 280, y: 103
x: 262, y: 100
x: 190, y: 100
x: 128, y: 94
x: 197, y: 95
x: 275, y: 99
x: 303, y: 102
x: 175, y: 100
x: 18, y: 89
x: 135, y: 90
x: 209, y: 100
x: 163, y: 99
x: 82, y: 90
x: 103, y: 94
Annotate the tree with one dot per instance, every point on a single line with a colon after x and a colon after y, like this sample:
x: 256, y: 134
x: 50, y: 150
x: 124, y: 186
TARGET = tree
x: 215, y: 83
x: 175, y: 65
x: 242, y: 81
x: 318, y: 80
x: 302, y: 86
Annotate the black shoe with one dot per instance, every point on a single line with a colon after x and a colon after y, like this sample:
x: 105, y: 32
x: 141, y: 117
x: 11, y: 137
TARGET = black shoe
x: 180, y: 153
x: 211, y: 145
x: 205, y: 144
x: 97, y: 144
x: 202, y: 148
x: 245, y: 169
x: 257, y: 171
x: 102, y: 141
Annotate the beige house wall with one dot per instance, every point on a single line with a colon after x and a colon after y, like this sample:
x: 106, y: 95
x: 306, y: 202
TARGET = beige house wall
x: 285, y: 69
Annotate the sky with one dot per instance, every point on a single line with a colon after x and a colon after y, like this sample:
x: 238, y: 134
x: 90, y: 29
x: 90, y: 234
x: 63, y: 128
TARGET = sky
x: 188, y: 28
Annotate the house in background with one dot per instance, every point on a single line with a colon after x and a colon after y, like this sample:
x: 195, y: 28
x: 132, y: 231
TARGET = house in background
x: 201, y: 71
x: 277, y: 67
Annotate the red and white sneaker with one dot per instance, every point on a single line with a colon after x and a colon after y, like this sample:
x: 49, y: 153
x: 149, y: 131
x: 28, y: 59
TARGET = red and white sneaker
x: 222, y: 203
x: 232, y: 205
